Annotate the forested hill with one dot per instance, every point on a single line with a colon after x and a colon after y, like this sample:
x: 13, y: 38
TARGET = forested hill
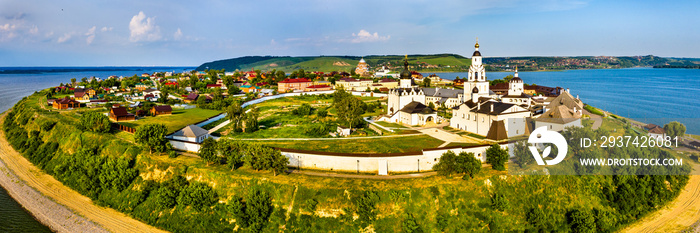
x: 450, y: 62
x: 443, y: 62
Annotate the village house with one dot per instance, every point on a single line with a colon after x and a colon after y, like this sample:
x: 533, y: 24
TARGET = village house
x: 249, y: 89
x: 121, y: 114
x: 562, y: 112
x: 141, y: 86
x: 65, y: 103
x: 192, y: 97
x: 161, y: 110
x: 318, y: 88
x: 297, y: 84
x: 191, y: 133
x: 351, y: 84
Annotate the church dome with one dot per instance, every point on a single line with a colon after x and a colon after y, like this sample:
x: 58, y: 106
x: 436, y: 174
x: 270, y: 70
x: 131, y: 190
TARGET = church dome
x: 475, y: 90
x: 405, y: 74
x: 476, y: 53
x: 516, y: 79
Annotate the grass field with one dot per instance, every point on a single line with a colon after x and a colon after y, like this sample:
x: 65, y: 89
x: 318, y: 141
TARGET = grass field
x: 390, y: 125
x: 370, y: 145
x: 178, y: 120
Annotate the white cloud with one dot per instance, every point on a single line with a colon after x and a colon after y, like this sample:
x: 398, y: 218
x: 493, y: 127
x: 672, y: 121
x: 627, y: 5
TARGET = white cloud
x: 106, y: 29
x: 143, y: 28
x: 90, y: 35
x: 273, y: 42
x: 34, y: 30
x: 7, y: 32
x: 365, y: 36
x: 64, y: 38
x: 178, y: 34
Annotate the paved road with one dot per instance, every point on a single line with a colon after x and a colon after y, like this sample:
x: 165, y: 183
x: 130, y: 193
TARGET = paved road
x: 324, y: 139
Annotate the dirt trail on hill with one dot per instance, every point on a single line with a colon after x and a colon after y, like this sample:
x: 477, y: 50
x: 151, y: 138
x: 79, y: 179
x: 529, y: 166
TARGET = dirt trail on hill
x: 678, y: 215
x: 32, y: 176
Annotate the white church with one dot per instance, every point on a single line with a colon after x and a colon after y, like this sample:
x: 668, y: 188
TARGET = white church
x: 485, y: 113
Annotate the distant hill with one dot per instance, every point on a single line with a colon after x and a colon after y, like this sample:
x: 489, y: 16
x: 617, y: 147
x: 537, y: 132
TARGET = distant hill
x: 443, y: 63
x: 337, y: 63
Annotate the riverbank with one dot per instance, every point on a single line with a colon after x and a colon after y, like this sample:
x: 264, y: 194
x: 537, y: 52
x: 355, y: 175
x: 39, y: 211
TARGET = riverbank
x: 54, y: 204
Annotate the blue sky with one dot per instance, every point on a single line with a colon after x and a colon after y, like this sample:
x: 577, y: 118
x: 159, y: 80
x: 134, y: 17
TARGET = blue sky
x: 159, y: 32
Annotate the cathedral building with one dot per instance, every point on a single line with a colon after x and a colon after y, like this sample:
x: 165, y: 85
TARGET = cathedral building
x: 362, y: 68
x: 482, y: 112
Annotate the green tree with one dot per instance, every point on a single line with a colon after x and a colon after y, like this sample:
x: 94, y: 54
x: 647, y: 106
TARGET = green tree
x: 447, y: 164
x: 468, y: 164
x: 522, y: 154
x: 410, y: 224
x: 152, y: 136
x: 499, y: 202
x: 208, y: 151
x: 674, y: 129
x: 198, y: 195
x: 322, y: 112
x: 303, y: 110
x: 254, y: 211
x: 251, y: 120
x: 426, y: 82
x: 96, y: 122
x: 497, y: 157
x: 348, y: 108
x: 236, y: 115
x: 582, y: 221
x: 233, y: 151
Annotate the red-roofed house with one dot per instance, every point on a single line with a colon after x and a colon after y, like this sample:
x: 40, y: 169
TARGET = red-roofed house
x: 65, y: 103
x: 293, y: 84
x: 161, y: 110
x: 318, y: 88
x: 120, y: 114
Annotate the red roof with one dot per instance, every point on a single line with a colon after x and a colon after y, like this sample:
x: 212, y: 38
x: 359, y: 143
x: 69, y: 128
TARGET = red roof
x: 171, y: 83
x: 296, y: 80
x: 318, y: 86
x: 163, y: 108
x: 213, y: 85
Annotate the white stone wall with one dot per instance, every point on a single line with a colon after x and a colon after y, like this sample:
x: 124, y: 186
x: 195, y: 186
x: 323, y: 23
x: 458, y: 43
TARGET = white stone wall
x: 557, y: 127
x: 421, y: 161
x: 185, y: 146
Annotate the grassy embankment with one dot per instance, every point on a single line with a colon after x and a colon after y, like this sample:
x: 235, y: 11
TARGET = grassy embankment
x: 322, y: 204
x: 178, y: 120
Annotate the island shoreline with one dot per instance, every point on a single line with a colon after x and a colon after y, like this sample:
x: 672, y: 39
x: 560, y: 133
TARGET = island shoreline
x: 55, y: 205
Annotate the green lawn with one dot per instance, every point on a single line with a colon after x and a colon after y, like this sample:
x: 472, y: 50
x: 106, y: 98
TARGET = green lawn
x: 390, y: 125
x: 373, y: 145
x: 178, y: 120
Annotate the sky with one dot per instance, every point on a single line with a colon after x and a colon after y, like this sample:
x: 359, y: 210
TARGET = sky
x: 189, y: 33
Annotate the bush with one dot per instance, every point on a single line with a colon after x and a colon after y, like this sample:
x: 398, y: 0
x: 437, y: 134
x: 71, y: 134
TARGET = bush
x: 303, y: 110
x: 198, y: 195
x: 497, y: 157
x: 95, y: 122
x: 499, y: 202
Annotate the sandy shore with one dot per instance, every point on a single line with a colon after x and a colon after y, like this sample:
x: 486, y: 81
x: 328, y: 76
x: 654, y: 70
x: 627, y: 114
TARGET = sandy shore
x: 55, y: 216
x: 54, y: 204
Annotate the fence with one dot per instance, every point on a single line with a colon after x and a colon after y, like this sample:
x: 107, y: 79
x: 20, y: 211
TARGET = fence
x: 123, y: 128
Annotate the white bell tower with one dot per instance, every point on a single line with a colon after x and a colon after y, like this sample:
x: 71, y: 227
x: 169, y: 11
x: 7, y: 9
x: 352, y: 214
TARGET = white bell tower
x: 476, y: 85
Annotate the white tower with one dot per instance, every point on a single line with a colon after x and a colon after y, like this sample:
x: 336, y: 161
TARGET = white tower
x: 515, y: 85
x: 476, y: 85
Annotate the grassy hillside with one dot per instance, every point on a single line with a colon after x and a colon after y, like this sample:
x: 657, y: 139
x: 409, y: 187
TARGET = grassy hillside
x: 331, y: 63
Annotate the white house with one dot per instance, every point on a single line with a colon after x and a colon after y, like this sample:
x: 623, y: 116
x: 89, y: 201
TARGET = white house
x: 191, y: 133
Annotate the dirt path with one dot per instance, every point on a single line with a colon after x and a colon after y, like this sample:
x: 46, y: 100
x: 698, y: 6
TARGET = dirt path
x: 32, y: 176
x: 678, y: 215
